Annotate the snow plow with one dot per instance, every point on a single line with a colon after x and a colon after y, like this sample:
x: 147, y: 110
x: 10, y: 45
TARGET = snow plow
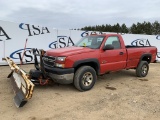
x: 23, y: 83
x: 22, y: 86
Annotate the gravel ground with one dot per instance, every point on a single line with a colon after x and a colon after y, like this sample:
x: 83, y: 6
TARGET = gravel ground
x: 116, y: 96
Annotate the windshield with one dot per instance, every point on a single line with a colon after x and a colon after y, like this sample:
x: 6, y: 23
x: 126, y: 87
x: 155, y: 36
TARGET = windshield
x: 92, y: 42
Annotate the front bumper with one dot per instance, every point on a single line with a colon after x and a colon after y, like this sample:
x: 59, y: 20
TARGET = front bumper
x: 60, y: 75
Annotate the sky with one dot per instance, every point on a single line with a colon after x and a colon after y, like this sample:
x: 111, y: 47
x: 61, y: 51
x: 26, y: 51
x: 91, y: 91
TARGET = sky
x: 71, y: 14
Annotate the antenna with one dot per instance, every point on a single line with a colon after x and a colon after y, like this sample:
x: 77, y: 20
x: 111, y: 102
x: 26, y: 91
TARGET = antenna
x: 24, y: 51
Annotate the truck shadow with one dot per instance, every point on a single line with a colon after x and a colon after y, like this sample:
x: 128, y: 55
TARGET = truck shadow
x: 117, y: 77
x: 119, y: 74
x: 56, y: 87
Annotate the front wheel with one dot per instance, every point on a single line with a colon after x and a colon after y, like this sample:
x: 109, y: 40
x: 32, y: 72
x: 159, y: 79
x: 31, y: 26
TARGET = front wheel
x: 142, y: 69
x: 85, y: 78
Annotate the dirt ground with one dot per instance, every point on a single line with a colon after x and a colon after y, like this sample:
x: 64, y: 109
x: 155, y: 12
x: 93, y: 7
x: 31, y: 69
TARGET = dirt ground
x: 116, y: 96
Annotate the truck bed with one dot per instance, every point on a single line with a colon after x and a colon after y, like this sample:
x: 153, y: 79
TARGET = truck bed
x: 135, y: 53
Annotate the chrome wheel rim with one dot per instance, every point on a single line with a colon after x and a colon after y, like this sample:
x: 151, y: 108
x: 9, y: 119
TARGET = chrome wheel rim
x: 87, y: 79
x: 144, y: 69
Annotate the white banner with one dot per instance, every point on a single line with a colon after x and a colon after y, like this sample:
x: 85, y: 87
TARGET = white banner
x: 143, y: 40
x: 1, y: 49
x: 13, y: 38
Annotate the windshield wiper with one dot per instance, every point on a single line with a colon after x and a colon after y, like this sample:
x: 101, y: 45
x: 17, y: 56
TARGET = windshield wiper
x: 83, y: 46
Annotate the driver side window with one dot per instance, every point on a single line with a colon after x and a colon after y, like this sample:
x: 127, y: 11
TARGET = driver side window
x: 114, y: 41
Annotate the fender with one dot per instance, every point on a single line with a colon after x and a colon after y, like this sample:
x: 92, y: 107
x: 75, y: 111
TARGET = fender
x: 87, y: 61
x: 148, y: 55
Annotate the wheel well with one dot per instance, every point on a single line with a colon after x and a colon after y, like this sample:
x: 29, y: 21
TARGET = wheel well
x: 92, y: 64
x: 146, y: 58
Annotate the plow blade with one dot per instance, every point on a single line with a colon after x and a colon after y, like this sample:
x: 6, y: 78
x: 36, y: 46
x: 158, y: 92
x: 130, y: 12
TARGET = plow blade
x: 22, y: 86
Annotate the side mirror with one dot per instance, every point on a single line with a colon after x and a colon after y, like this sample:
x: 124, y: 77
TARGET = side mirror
x: 108, y: 47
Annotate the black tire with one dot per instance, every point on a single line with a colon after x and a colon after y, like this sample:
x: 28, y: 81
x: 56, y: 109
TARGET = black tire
x: 85, y: 78
x: 142, y: 69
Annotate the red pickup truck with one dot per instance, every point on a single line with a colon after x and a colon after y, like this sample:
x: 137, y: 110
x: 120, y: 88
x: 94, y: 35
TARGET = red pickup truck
x: 80, y: 64
x: 96, y: 55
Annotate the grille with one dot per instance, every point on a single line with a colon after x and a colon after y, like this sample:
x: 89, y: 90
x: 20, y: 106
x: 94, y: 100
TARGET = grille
x: 49, y: 61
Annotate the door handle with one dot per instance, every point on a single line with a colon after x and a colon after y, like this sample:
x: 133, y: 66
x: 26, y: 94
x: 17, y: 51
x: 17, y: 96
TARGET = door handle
x: 121, y: 53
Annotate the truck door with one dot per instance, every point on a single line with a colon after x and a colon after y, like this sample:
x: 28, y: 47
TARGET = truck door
x: 115, y: 59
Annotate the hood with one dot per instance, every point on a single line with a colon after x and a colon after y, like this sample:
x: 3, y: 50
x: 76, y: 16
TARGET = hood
x: 68, y: 51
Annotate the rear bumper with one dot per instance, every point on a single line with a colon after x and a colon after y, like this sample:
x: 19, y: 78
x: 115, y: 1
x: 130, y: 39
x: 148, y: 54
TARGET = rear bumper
x: 59, y: 75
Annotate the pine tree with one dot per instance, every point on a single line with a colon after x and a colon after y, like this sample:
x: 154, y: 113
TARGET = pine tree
x: 156, y: 28
x: 133, y: 29
x: 124, y: 28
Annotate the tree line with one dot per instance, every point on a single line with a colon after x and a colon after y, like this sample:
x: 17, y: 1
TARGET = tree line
x: 138, y: 28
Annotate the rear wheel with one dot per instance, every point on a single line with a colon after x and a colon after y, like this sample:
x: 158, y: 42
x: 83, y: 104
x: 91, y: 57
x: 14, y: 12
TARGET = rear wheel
x: 142, y: 69
x: 85, y: 78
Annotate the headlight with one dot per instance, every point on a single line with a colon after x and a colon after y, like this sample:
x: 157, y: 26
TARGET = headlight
x: 59, y: 65
x: 62, y: 59
x: 60, y: 62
